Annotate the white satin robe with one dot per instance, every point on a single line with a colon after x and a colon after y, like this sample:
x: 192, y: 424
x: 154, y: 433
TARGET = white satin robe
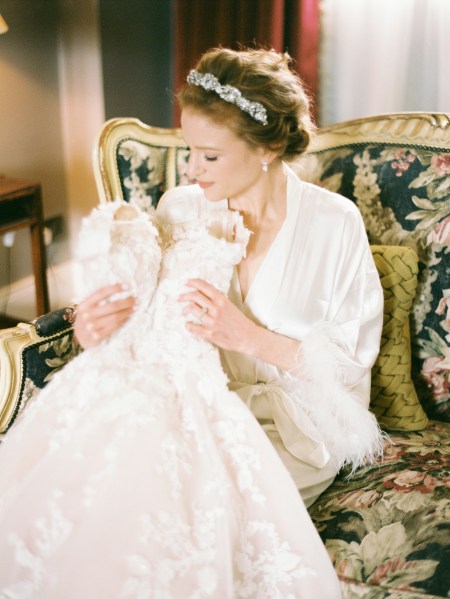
x: 318, y: 284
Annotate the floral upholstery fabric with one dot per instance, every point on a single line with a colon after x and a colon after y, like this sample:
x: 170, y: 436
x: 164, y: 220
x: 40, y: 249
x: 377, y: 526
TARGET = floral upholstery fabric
x: 42, y: 359
x: 142, y: 171
x: 403, y: 194
x: 387, y: 528
x: 55, y: 321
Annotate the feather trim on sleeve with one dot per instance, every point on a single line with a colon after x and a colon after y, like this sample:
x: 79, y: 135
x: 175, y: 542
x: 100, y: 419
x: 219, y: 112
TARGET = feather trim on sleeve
x: 350, y: 431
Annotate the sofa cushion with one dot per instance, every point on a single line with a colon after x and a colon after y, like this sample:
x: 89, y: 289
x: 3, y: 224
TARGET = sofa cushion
x: 393, y: 396
x: 403, y: 195
x: 387, y: 527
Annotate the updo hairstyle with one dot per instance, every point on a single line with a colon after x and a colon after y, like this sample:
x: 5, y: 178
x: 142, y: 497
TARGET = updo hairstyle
x: 261, y: 76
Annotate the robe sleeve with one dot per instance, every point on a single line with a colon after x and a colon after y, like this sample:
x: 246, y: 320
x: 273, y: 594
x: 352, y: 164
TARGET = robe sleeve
x: 336, y: 355
x: 354, y: 317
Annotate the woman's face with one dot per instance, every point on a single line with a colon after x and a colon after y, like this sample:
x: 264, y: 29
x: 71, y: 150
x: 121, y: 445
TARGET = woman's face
x: 223, y: 165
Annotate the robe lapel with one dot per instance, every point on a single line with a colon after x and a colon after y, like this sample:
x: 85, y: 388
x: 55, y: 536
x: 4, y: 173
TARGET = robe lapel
x: 267, y: 282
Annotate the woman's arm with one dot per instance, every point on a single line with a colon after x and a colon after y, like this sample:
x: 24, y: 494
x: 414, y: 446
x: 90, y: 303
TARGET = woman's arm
x: 350, y: 331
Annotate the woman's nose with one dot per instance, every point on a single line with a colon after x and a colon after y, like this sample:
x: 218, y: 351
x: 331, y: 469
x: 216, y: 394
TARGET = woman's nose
x: 193, y: 169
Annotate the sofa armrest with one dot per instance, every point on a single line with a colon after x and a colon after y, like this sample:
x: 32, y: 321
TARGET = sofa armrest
x: 30, y: 354
x: 54, y: 322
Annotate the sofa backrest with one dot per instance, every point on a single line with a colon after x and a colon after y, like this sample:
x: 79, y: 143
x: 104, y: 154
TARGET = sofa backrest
x: 135, y: 161
x: 396, y: 168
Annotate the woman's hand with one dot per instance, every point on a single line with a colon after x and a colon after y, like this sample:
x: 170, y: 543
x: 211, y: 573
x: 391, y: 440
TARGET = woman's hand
x: 224, y: 325
x: 219, y: 320
x: 100, y: 315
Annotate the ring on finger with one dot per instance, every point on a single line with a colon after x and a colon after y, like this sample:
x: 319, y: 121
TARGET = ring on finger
x: 203, y: 313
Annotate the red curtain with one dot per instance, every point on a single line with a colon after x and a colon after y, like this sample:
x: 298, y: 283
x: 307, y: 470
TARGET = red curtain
x: 285, y: 25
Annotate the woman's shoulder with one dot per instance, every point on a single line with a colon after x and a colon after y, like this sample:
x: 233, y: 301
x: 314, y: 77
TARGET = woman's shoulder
x: 323, y: 202
x: 185, y: 203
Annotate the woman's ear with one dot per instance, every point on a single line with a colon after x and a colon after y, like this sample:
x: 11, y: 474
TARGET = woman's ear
x: 268, y: 156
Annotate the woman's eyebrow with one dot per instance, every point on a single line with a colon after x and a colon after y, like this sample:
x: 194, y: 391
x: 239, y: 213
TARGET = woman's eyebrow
x: 211, y: 148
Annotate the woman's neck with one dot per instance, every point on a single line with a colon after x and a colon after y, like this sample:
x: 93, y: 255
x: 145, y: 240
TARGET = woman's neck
x: 266, y: 200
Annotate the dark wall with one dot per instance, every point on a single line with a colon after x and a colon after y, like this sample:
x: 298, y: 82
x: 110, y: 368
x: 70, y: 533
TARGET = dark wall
x: 137, y: 46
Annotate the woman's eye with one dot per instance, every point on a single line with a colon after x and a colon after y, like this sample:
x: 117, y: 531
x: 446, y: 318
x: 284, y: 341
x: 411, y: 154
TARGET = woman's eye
x: 210, y: 158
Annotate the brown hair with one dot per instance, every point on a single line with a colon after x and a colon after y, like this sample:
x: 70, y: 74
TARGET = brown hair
x: 261, y: 76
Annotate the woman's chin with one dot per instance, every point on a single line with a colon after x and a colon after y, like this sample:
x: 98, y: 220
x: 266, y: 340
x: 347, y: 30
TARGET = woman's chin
x: 211, y: 195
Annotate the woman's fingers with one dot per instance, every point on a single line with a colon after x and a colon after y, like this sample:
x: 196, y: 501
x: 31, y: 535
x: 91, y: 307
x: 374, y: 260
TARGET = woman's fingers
x: 106, y: 325
x: 203, y: 299
x: 103, y: 295
x: 216, y: 318
x: 104, y: 309
x: 100, y: 315
x: 206, y: 289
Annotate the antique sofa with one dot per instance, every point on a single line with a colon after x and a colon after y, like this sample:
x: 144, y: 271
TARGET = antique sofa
x: 387, y: 527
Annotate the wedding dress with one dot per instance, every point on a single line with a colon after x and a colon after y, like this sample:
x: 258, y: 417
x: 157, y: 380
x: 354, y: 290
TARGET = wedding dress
x: 136, y: 473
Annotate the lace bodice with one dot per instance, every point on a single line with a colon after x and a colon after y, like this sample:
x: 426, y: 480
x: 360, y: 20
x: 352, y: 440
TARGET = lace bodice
x: 130, y: 252
x: 206, y: 249
x: 113, y: 249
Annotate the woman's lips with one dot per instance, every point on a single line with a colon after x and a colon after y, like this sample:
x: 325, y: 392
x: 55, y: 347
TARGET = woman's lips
x: 204, y: 184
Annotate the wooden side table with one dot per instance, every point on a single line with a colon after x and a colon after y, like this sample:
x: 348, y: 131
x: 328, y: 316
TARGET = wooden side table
x: 21, y: 206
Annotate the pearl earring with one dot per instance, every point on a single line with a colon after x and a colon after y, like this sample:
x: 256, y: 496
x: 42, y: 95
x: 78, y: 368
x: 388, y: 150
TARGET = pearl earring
x: 265, y: 166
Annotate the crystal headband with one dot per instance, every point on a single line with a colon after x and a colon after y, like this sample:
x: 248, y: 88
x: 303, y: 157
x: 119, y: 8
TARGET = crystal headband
x: 228, y: 93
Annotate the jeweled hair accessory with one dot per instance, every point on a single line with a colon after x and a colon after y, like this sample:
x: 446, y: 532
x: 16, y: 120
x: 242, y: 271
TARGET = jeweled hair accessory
x: 228, y: 93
